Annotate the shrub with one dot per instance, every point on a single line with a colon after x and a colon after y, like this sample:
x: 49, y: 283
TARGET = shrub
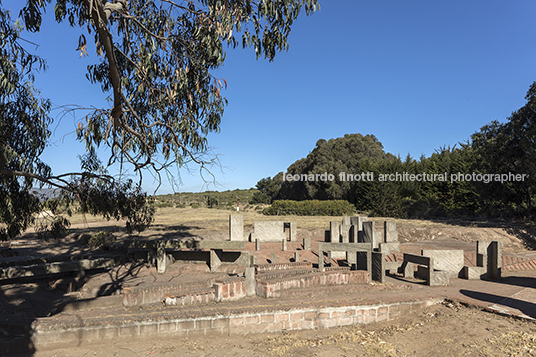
x: 310, y: 208
x: 101, y: 239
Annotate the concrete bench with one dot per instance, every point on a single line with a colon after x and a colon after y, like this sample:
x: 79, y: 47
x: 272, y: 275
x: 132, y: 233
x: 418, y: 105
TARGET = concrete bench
x: 432, y: 276
x: 23, y: 271
x: 156, y: 250
x: 351, y: 249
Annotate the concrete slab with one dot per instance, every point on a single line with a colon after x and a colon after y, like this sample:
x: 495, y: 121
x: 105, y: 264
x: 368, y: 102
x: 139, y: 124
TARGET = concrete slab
x: 269, y: 231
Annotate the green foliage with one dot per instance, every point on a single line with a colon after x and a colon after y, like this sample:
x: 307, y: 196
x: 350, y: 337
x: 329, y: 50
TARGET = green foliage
x: 267, y: 191
x: 211, y: 201
x: 310, y: 208
x: 498, y: 148
x: 155, y: 61
x: 101, y: 240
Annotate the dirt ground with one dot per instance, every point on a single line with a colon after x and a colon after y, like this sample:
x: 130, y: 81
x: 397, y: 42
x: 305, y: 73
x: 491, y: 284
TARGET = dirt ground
x: 446, y: 329
x: 441, y: 330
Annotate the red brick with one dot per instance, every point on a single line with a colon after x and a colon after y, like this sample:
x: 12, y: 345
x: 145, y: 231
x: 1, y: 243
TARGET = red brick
x: 218, y: 323
x: 361, y: 312
x: 169, y: 326
x: 185, y: 325
x: 369, y: 318
x: 281, y: 317
x: 343, y: 321
x: 382, y: 317
x: 372, y: 312
x: 237, y: 321
x: 349, y: 313
x: 296, y: 316
x: 267, y: 318
x: 203, y: 324
x: 309, y: 315
x: 323, y: 315
x: 383, y: 310
x: 336, y: 314
x: 250, y: 320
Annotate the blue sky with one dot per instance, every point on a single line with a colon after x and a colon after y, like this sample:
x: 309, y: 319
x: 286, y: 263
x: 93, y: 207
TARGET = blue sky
x: 417, y: 74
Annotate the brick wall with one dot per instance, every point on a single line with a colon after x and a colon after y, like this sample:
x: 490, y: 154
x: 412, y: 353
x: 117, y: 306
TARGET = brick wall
x: 237, y: 323
x: 272, y: 287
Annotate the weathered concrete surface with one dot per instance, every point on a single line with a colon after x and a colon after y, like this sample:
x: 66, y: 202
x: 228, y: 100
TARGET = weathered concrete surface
x: 451, y: 261
x: 269, y: 231
x: 236, y: 227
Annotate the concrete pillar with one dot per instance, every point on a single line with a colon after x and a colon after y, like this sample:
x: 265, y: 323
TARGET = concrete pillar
x: 257, y: 244
x: 296, y: 256
x: 253, y: 260
x: 334, y: 232
x: 345, y: 233
x: 273, y: 258
x: 236, y: 227
x: 390, y: 233
x: 250, y: 282
x: 284, y: 247
x: 161, y: 259
x: 293, y: 231
x: 307, y: 243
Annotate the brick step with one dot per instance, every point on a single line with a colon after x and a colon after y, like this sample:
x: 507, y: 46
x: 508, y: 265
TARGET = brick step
x: 333, y: 290
x: 188, y: 298
x: 284, y: 273
x: 273, y: 287
x: 92, y: 303
x: 525, y: 265
x: 283, y: 266
x: 146, y: 295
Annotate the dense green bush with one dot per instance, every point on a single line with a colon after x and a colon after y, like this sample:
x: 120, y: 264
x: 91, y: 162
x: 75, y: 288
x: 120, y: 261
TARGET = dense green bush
x: 310, y: 208
x: 101, y: 239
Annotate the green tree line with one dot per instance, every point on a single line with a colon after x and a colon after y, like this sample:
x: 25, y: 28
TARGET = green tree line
x: 492, y: 175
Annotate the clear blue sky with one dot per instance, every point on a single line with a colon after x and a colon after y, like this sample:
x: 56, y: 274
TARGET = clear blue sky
x: 417, y: 74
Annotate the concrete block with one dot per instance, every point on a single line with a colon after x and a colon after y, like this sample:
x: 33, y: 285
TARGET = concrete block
x: 272, y: 260
x: 215, y: 260
x: 368, y: 232
x: 378, y: 238
x: 253, y: 260
x: 293, y: 232
x: 346, y: 220
x: 378, y: 267
x: 345, y: 233
x: 257, y: 244
x: 358, y: 221
x: 473, y: 273
x: 334, y: 232
x: 306, y: 243
x: 389, y: 247
x: 269, y: 231
x: 161, y: 258
x: 408, y: 270
x: 284, y: 244
x: 296, y: 256
x: 353, y: 234
x: 451, y: 261
x: 236, y: 227
x: 439, y: 278
x: 390, y: 232
x: 250, y: 281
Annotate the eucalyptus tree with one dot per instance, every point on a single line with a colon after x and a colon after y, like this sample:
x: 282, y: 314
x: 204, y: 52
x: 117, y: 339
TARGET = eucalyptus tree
x: 155, y: 63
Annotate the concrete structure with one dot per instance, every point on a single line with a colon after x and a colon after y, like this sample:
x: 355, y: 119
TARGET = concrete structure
x: 489, y: 261
x: 216, y: 254
x: 378, y: 266
x: 306, y: 243
x: 451, y: 261
x: 432, y: 276
x: 370, y: 235
x: 236, y: 227
x: 347, y: 249
x: 334, y: 232
x: 390, y: 233
x: 269, y: 231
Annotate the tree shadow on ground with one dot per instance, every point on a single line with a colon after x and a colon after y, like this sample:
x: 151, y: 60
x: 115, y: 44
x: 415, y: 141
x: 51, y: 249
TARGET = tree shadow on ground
x: 526, y: 234
x: 525, y: 307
